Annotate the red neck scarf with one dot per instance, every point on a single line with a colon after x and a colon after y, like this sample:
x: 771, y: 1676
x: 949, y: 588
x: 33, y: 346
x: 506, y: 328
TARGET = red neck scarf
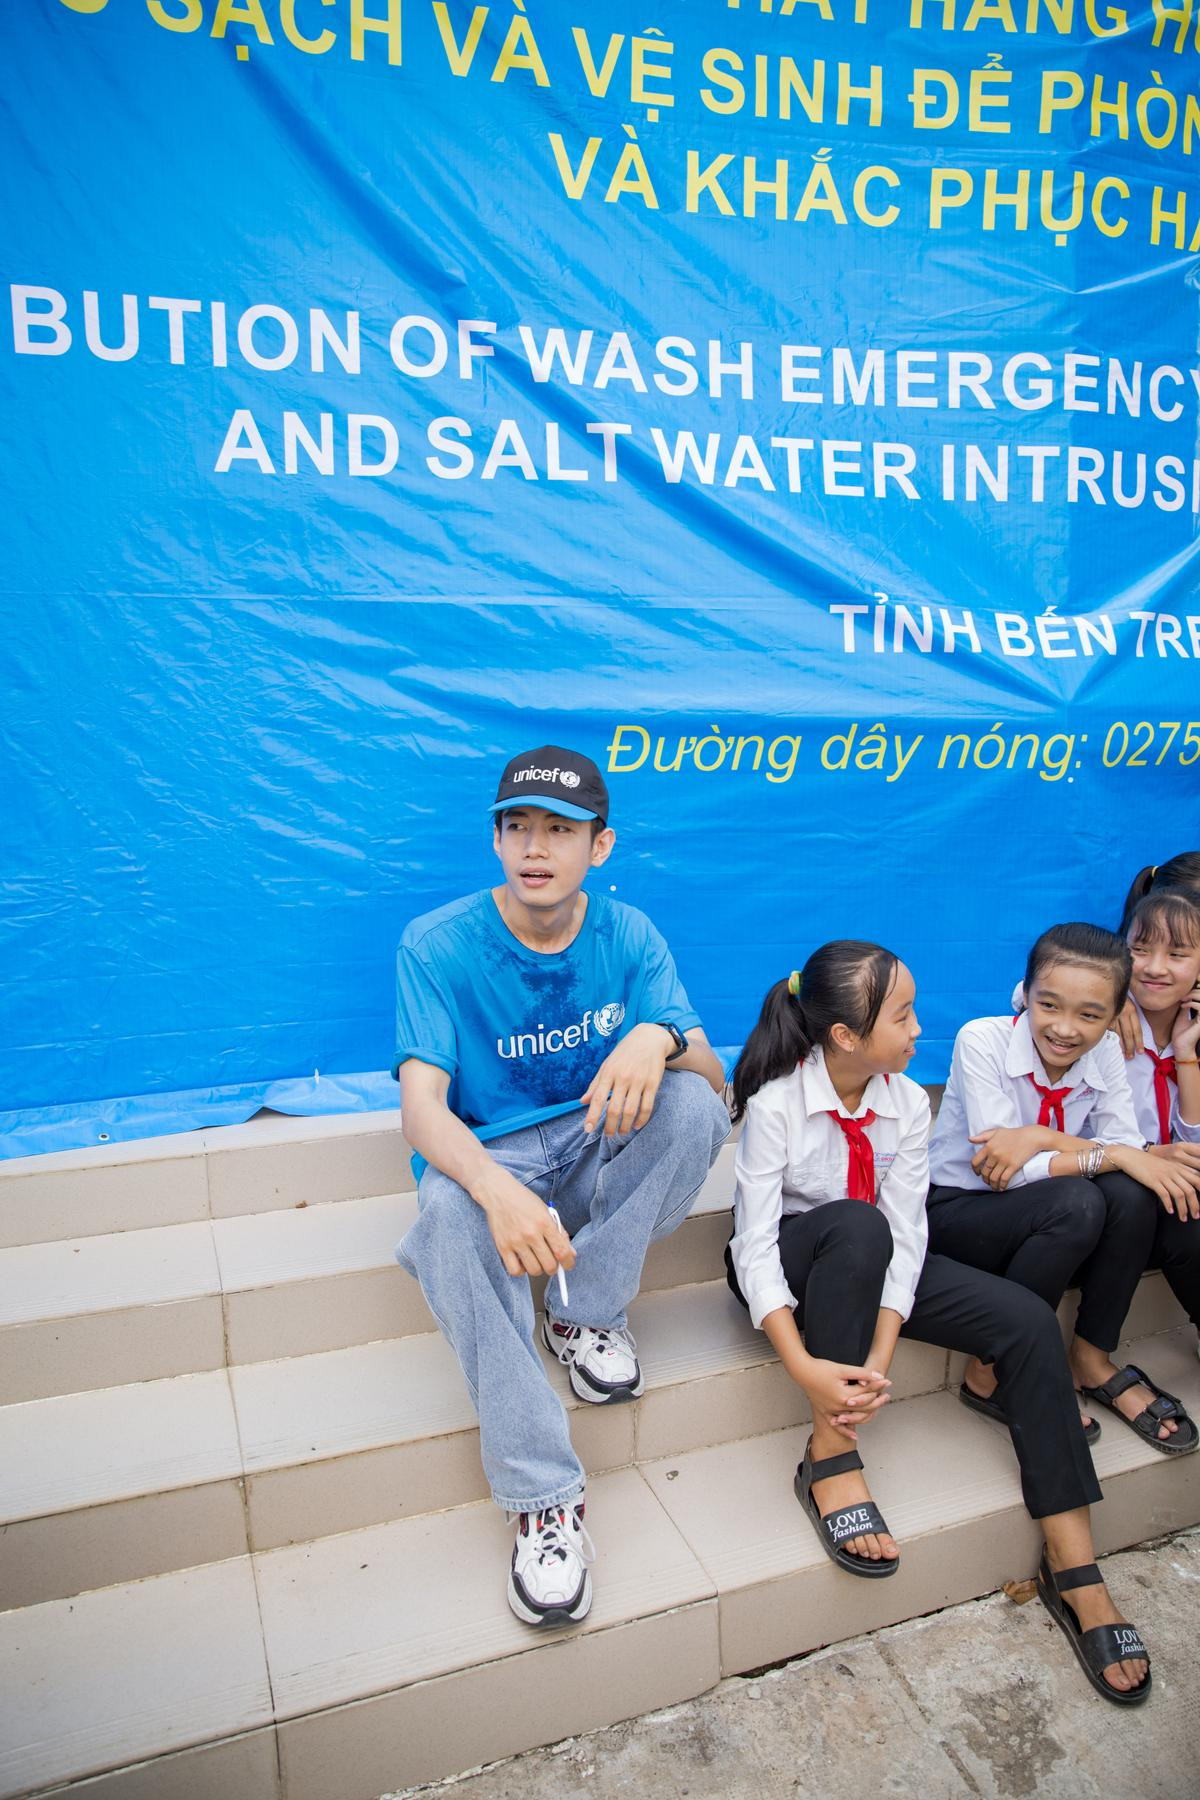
x: 860, y: 1180
x: 1051, y: 1110
x: 1164, y: 1075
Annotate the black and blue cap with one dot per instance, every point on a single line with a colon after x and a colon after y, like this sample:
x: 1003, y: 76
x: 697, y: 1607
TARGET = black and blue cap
x: 560, y: 781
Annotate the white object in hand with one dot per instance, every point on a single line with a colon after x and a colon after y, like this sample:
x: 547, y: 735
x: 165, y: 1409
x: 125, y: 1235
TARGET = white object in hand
x: 562, y: 1280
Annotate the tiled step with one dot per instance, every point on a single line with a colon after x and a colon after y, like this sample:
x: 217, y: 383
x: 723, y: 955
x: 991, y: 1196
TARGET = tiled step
x: 100, y: 1487
x: 267, y: 1165
x: 395, y: 1639
x: 144, y: 1304
x: 383, y: 1657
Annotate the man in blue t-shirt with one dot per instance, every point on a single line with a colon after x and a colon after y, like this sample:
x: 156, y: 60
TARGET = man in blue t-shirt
x: 565, y: 1107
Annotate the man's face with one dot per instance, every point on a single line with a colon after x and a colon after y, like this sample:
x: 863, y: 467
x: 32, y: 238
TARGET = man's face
x: 544, y: 856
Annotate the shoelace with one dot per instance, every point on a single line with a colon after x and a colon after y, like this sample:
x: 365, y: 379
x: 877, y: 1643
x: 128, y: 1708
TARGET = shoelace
x: 550, y: 1529
x: 608, y: 1340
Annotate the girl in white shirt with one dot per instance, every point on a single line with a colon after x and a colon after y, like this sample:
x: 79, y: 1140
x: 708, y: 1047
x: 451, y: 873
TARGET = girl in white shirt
x: 829, y: 1242
x: 1038, y: 1110
x: 1164, y: 1075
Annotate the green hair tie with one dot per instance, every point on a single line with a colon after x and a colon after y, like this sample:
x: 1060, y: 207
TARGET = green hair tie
x: 794, y: 984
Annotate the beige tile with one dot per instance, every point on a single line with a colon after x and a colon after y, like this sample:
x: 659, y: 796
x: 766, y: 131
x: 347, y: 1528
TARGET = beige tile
x: 456, y: 1722
x: 105, y: 1274
x: 301, y: 1318
x: 693, y: 1253
x: 1154, y: 1309
x: 341, y: 1401
x: 83, y: 1449
x: 739, y: 1403
x: 64, y: 1553
x: 288, y: 1505
x: 371, y: 1610
x: 116, y: 1192
x: 129, y: 1672
x: 270, y: 1127
x: 955, y: 1507
x: 145, y: 1343
x: 238, y: 1768
x: 300, y: 1243
x: 258, y: 1178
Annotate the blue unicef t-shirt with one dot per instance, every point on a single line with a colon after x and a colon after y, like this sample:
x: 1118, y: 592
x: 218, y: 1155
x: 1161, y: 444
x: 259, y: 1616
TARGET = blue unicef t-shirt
x: 519, y: 1031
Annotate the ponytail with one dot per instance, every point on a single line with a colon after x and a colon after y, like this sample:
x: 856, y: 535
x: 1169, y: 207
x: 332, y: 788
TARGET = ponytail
x: 842, y: 983
x: 1180, y: 875
x: 779, y: 1043
x: 1138, y: 889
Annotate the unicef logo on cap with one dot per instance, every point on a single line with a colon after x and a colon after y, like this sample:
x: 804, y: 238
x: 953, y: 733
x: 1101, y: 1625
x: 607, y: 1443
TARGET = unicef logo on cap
x: 609, y: 1018
x: 569, y: 778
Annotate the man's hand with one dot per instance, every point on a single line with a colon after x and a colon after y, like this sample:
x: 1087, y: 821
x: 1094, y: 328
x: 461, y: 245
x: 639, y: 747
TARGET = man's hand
x: 1004, y: 1151
x: 628, y: 1081
x: 529, y: 1241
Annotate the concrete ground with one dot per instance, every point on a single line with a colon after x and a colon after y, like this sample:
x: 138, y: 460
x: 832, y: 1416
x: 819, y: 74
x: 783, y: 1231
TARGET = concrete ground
x: 983, y: 1699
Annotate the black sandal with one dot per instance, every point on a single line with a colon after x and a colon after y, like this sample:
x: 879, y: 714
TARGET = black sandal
x: 1103, y: 1644
x: 837, y: 1528
x: 992, y: 1409
x: 1182, y: 1440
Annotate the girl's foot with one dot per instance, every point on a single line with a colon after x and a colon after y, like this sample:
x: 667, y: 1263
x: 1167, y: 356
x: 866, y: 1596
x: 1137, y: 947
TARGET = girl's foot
x: 981, y: 1379
x: 1093, y: 1606
x: 1092, y: 1368
x: 841, y: 1493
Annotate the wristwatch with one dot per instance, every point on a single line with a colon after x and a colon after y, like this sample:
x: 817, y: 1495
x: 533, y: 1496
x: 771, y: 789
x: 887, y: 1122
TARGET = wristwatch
x: 676, y: 1036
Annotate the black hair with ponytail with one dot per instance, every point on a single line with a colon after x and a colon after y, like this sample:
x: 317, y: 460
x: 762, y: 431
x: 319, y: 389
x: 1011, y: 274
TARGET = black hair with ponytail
x: 1078, y: 943
x: 843, y: 983
x: 1181, y: 875
x: 1167, y: 917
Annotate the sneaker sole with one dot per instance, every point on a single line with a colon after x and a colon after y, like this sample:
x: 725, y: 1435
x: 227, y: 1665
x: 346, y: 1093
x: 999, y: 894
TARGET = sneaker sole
x: 550, y: 1615
x: 586, y: 1389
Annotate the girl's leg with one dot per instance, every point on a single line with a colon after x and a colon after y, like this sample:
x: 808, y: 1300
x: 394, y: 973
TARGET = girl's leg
x: 1036, y: 1235
x: 839, y: 1271
x: 834, y: 1260
x: 1107, y: 1281
x: 1177, y: 1254
x: 959, y: 1308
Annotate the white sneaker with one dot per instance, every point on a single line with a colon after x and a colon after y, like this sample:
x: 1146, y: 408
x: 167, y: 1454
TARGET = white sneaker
x: 603, y: 1364
x: 549, y: 1582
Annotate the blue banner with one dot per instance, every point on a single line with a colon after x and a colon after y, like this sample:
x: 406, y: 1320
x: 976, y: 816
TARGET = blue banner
x: 795, y: 406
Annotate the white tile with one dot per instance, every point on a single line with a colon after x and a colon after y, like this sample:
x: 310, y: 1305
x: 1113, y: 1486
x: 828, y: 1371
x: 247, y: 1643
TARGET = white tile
x: 372, y: 1610
x: 102, y: 1274
x: 341, y: 1401
x: 124, y: 1673
x: 299, y: 1243
x: 81, y: 1449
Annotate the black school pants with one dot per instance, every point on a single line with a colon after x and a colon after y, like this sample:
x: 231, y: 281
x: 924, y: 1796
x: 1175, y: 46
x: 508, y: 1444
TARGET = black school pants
x: 834, y: 1260
x: 1050, y: 1235
x: 1177, y: 1253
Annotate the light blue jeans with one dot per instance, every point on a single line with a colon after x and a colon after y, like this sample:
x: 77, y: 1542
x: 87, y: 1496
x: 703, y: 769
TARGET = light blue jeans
x: 614, y: 1196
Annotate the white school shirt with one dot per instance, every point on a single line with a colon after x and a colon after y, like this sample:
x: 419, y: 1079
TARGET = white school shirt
x: 792, y: 1156
x: 989, y: 1087
x: 1140, y: 1071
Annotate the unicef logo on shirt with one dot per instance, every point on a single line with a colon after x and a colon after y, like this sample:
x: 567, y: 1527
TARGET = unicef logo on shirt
x: 609, y: 1018
x: 568, y: 778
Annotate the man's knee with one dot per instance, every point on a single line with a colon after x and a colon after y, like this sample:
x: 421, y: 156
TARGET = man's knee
x: 687, y: 1107
x: 448, y: 1219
